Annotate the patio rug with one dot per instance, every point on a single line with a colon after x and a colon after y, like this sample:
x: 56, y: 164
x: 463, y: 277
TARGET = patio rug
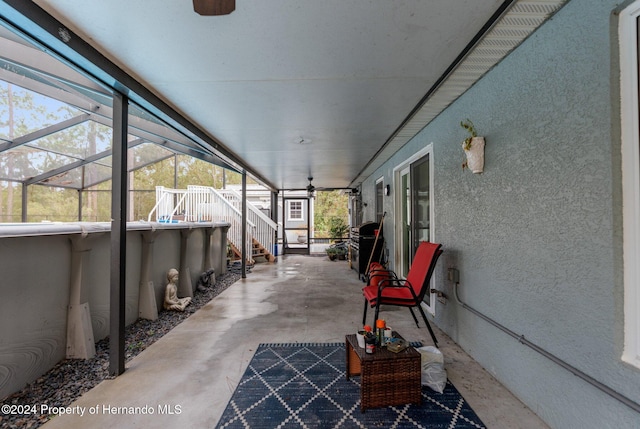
x: 305, y: 386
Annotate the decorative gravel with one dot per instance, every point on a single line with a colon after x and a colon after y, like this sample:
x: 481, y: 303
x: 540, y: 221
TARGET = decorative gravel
x: 70, y: 378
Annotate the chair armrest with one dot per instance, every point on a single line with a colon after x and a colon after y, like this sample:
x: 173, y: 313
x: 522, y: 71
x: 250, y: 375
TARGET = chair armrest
x: 396, y: 283
x: 393, y: 282
x: 386, y: 275
x: 381, y: 275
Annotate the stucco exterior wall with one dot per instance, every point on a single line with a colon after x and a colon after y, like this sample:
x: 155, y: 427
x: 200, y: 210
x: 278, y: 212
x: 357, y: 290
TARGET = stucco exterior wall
x: 537, y: 236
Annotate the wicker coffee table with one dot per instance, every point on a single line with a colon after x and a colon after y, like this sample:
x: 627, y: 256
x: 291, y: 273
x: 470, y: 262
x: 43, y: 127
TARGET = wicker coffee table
x: 386, y: 378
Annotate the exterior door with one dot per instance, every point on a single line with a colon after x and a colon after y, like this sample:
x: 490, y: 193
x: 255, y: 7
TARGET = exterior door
x: 406, y: 238
x: 414, y: 207
x: 296, y: 225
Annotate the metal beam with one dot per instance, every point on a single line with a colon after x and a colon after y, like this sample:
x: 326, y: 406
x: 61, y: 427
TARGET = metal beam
x: 244, y: 224
x: 43, y: 132
x: 118, y: 235
x: 25, y: 201
x: 92, y: 184
x: 274, y: 217
x: 88, y: 160
x: 55, y: 89
x: 32, y: 58
x: 157, y: 134
x: 80, y: 204
x: 146, y: 137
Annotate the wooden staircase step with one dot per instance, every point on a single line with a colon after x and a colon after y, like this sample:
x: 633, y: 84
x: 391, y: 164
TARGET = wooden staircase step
x: 257, y: 251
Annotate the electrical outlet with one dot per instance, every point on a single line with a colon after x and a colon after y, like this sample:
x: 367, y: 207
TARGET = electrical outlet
x: 454, y: 275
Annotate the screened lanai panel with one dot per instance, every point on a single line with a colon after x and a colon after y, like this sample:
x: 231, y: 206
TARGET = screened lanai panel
x: 147, y: 153
x: 95, y: 173
x: 66, y: 179
x: 86, y: 175
x: 79, y: 141
x: 24, y: 162
x: 45, y: 73
x: 15, y: 164
x: 44, y: 83
x: 24, y: 111
x: 138, y: 112
x: 101, y: 99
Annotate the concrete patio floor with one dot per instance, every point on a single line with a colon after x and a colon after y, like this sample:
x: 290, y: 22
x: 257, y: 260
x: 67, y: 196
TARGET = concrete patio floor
x: 187, y: 377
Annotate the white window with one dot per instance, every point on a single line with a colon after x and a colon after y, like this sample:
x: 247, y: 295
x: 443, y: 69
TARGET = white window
x: 295, y: 210
x: 628, y: 39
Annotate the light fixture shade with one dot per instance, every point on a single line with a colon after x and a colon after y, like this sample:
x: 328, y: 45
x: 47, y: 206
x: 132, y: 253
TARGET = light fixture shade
x: 214, y: 7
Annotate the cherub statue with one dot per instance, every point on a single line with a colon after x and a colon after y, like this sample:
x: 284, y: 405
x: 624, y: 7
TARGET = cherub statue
x: 171, y: 300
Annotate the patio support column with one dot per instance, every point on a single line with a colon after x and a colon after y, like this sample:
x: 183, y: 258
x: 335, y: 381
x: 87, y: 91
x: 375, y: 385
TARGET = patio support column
x: 118, y: 234
x: 175, y: 171
x: 284, y: 217
x: 80, y: 204
x: 244, y: 224
x: 274, y: 217
x: 24, y: 202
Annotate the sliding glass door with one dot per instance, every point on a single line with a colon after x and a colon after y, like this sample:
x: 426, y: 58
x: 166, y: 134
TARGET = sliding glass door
x: 414, y: 209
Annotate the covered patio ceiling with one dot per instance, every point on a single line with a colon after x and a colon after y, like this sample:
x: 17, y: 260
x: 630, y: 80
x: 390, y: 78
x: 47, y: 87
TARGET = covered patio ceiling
x: 298, y: 88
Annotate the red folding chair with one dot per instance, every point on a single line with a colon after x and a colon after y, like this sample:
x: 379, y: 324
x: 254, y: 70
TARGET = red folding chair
x: 385, y: 288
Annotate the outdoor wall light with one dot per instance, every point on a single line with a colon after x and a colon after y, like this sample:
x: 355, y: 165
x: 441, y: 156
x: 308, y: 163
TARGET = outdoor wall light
x: 387, y: 190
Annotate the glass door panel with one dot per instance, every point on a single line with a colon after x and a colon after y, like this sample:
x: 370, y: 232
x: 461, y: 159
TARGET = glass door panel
x: 405, y: 210
x: 420, y: 209
x: 420, y: 201
x: 413, y: 205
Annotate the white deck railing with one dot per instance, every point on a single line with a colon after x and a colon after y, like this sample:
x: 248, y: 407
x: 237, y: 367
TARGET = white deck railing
x: 206, y: 204
x: 265, y: 227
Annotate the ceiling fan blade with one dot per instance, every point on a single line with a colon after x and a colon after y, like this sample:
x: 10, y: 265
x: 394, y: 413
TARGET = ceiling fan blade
x: 214, y: 7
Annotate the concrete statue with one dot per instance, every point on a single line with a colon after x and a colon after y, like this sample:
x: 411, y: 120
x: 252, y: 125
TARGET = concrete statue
x: 171, y: 300
x: 206, y: 280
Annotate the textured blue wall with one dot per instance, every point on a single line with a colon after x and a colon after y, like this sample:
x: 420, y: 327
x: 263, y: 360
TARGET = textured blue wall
x: 537, y: 236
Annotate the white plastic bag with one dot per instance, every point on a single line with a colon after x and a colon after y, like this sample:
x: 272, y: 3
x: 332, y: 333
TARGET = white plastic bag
x: 432, y: 371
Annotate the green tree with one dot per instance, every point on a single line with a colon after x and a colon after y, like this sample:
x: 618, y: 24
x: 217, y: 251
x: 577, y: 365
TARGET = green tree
x: 52, y: 204
x: 23, y: 112
x: 330, y: 208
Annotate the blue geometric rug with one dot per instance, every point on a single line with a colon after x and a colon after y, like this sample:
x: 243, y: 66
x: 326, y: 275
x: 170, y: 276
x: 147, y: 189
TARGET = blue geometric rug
x: 304, y: 386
